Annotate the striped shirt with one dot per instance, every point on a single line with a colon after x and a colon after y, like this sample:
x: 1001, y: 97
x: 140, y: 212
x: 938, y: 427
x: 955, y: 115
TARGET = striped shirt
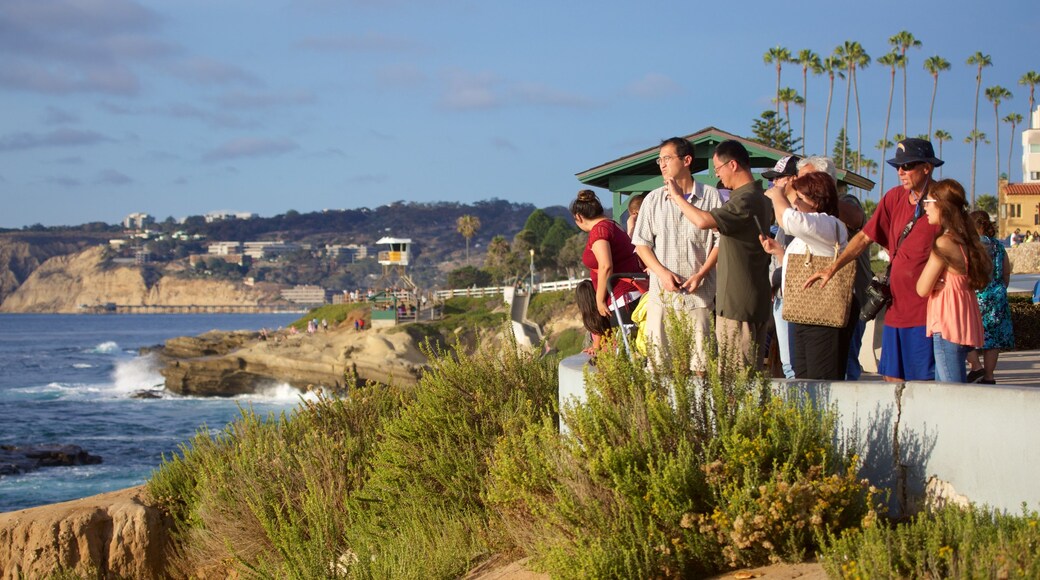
x: 678, y: 244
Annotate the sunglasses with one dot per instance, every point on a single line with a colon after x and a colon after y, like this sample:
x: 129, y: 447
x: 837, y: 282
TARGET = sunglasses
x: 908, y: 166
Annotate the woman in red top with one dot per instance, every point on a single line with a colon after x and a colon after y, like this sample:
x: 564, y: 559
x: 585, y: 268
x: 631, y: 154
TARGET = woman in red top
x: 608, y: 250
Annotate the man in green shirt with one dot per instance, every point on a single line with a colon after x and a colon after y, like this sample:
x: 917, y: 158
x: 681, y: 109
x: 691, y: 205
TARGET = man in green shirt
x: 742, y: 305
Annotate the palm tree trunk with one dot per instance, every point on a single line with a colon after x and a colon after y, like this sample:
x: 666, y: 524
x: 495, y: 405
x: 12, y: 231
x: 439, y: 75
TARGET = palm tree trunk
x: 940, y: 157
x: 884, y: 147
x: 975, y: 129
x: 859, y: 122
x: 996, y: 143
x: 1011, y: 148
x: 845, y: 122
x: 827, y: 119
x: 931, y: 108
x: 904, y: 93
x: 805, y: 104
x: 778, y: 88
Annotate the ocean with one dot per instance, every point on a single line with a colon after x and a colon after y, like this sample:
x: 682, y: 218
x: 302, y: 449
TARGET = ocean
x: 68, y: 379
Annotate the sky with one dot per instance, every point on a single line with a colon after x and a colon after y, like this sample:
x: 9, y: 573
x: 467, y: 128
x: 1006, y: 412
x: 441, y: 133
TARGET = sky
x: 184, y: 107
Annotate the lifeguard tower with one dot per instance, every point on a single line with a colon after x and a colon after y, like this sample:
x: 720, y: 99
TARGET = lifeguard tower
x: 396, y: 259
x: 397, y: 305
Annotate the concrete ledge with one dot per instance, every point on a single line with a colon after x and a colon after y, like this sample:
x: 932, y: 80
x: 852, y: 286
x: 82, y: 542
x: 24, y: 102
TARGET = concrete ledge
x: 981, y: 442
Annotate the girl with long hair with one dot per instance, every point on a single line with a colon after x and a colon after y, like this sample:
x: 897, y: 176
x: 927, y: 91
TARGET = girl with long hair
x: 957, y: 266
x: 998, y: 334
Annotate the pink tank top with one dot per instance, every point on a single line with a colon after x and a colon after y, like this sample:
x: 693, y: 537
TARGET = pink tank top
x: 954, y: 310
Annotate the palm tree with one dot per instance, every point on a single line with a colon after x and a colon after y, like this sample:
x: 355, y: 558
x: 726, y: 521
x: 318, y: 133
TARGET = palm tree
x: 934, y: 65
x: 996, y: 95
x: 1013, y: 119
x: 809, y: 61
x: 892, y: 60
x: 786, y: 96
x: 974, y: 137
x: 939, y: 137
x: 884, y: 145
x: 1030, y: 79
x: 902, y: 41
x: 467, y: 225
x: 859, y: 59
x: 833, y: 66
x: 979, y: 60
x: 777, y: 55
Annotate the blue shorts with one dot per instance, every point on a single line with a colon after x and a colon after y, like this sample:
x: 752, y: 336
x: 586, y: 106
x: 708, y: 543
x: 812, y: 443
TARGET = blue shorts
x: 906, y: 353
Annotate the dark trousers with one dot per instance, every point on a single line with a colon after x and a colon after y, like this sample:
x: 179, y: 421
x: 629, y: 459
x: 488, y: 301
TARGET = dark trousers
x: 822, y: 352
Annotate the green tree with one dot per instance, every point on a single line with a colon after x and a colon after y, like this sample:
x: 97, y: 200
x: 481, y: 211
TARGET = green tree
x: 571, y: 252
x: 841, y: 150
x: 934, y: 65
x: 853, y: 56
x: 772, y: 131
x: 777, y: 55
x: 833, y: 66
x: 987, y: 203
x: 1013, y: 119
x: 892, y: 60
x: 1030, y: 79
x: 980, y: 61
x: 467, y: 226
x: 902, y: 41
x: 538, y: 223
x: 810, y: 61
x: 468, y: 277
x: 996, y: 95
x: 498, y: 261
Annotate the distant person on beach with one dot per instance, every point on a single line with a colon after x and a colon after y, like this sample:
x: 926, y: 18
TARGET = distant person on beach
x: 608, y: 251
x: 906, y: 348
x: 998, y: 334
x: 957, y: 266
x: 679, y: 255
x: 743, y: 307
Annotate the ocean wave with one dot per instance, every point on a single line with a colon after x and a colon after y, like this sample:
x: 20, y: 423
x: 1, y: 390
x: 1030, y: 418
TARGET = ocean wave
x: 82, y: 366
x: 107, y: 347
x: 130, y: 376
x: 280, y: 393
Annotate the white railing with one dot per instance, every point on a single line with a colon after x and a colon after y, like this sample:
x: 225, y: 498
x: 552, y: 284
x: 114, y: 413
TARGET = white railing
x: 496, y: 290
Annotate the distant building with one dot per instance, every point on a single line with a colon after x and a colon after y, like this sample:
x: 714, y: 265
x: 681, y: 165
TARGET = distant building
x: 224, y: 248
x: 138, y: 221
x: 268, y: 250
x: 305, y: 294
x: 218, y: 216
x: 347, y: 252
x: 1031, y: 149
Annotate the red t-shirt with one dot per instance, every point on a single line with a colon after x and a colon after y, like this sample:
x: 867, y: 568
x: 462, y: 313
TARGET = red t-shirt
x: 884, y: 227
x: 622, y: 253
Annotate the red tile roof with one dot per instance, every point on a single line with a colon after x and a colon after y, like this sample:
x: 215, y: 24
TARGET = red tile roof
x: 1023, y: 189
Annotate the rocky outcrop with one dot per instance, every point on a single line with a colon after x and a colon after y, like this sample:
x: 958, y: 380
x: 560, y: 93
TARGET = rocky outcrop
x: 14, y: 459
x: 1025, y: 258
x: 113, y: 535
x: 228, y: 364
x: 84, y: 280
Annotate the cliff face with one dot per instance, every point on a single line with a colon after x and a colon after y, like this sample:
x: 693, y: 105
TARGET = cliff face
x: 118, y: 534
x: 21, y: 254
x: 65, y: 283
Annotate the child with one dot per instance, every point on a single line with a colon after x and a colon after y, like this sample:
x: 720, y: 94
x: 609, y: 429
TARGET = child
x: 594, y: 322
x: 633, y: 212
x: 958, y: 266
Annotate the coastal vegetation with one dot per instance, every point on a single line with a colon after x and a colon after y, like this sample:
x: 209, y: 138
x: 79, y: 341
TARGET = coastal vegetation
x: 658, y: 473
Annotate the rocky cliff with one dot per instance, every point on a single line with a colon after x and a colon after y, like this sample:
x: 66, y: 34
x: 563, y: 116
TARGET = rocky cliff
x: 21, y: 253
x: 225, y: 364
x: 69, y: 283
x: 113, y: 535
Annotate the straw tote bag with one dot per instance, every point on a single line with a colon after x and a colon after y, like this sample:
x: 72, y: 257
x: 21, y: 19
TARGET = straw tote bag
x: 828, y: 306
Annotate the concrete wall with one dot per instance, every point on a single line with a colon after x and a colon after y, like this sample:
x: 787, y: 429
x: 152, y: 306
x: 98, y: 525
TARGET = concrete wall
x: 981, y: 442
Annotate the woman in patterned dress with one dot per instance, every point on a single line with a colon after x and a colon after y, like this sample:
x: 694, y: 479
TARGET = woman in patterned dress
x: 993, y: 302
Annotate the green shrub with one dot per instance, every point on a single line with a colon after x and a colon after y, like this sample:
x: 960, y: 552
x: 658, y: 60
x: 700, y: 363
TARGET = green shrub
x: 659, y: 466
x: 570, y: 342
x: 545, y: 306
x: 1025, y: 319
x: 951, y: 542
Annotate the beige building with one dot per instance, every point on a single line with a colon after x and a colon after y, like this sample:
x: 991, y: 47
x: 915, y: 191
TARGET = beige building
x: 1019, y: 208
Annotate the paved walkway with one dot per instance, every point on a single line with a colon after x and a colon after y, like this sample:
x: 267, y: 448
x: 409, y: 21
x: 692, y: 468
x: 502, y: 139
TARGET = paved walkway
x: 1013, y: 368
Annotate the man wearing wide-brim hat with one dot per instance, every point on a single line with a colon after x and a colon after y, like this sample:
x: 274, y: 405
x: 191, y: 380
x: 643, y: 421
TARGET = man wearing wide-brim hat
x: 906, y: 350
